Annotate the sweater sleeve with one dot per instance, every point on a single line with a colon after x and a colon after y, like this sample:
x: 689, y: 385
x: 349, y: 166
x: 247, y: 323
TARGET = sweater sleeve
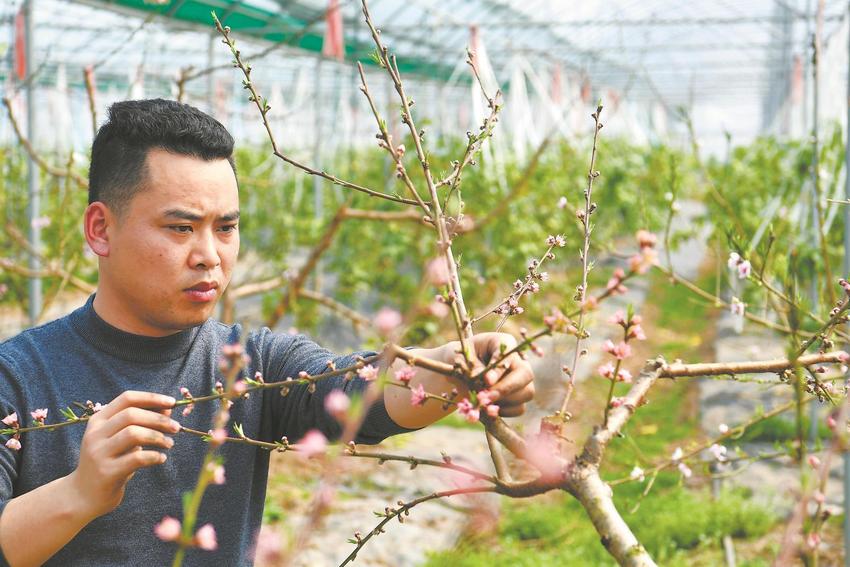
x: 10, y: 402
x: 299, y: 411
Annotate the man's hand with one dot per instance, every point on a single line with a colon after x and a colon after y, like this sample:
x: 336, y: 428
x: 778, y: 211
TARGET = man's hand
x: 513, y: 382
x: 113, y: 446
x: 111, y: 452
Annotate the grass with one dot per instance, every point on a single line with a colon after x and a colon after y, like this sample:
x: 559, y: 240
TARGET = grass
x: 557, y: 533
x: 782, y: 428
x: 679, y: 525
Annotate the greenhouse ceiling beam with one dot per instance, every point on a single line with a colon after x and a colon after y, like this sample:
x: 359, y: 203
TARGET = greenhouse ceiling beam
x: 622, y: 23
x: 251, y: 16
x: 667, y: 47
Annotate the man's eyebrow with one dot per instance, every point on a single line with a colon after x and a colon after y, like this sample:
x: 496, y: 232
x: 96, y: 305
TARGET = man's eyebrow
x: 190, y: 216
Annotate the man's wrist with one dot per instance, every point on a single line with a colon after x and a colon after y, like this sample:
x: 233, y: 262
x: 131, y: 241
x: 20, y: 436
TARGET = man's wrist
x: 76, y: 507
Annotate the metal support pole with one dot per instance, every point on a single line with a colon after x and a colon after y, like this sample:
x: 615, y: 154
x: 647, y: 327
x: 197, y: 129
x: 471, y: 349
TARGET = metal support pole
x: 846, y: 266
x: 33, y: 212
x: 210, y: 88
x: 318, y: 185
x: 816, y: 220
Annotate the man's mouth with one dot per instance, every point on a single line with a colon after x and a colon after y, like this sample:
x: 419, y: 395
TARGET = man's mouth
x: 204, y: 286
x: 202, y: 292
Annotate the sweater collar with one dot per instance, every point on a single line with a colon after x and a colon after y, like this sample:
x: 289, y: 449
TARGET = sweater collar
x: 129, y: 346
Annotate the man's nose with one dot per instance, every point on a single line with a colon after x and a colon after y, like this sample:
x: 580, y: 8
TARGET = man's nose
x: 205, y: 252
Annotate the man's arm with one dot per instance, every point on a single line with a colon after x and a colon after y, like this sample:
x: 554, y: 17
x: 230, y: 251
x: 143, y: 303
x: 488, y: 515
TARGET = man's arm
x: 512, y: 388
x: 111, y: 452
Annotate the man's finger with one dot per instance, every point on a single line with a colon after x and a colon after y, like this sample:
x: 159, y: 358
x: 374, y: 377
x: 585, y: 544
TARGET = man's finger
x: 511, y: 411
x: 132, y: 398
x: 516, y: 377
x: 517, y: 398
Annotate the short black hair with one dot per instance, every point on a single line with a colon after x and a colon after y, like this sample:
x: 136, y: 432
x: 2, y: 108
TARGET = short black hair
x: 120, y: 148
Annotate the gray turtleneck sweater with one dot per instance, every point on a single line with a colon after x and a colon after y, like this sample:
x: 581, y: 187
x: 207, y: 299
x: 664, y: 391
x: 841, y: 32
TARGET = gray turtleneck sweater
x: 81, y: 357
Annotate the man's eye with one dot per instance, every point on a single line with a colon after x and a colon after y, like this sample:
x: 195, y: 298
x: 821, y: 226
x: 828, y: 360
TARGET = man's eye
x: 183, y: 229
x: 229, y: 228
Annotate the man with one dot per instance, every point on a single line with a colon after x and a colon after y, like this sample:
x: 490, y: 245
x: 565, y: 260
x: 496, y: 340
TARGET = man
x: 163, y: 220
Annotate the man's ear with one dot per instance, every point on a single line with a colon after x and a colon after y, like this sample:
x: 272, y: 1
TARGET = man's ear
x: 98, y: 218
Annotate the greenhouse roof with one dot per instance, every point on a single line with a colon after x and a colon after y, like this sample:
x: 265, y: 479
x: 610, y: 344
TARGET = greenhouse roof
x: 281, y: 21
x: 738, y: 67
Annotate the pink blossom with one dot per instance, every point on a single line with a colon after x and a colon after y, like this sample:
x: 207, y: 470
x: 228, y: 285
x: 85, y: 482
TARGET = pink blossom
x: 485, y: 397
x: 677, y: 454
x: 232, y: 350
x: 39, y: 415
x: 557, y: 240
x: 493, y: 410
x: 205, y: 538
x: 336, y: 404
x: 814, y: 462
x: 624, y: 376
x: 617, y: 402
x: 718, y: 451
x: 562, y: 203
x: 368, y: 373
x: 556, y: 321
x: 437, y: 272
x: 734, y: 259
x: 11, y: 420
x: 819, y: 497
x: 418, y: 395
x: 813, y: 540
x: 217, y: 436
x: 736, y: 307
x: 637, y: 474
x: 438, y: 309
x: 618, y: 318
x: 642, y: 261
x: 646, y: 239
x: 843, y: 356
x: 168, y: 529
x: 636, y: 332
x: 240, y: 387
x: 467, y: 410
x: 218, y: 474
x: 723, y: 428
x: 313, y: 443
x: 405, y: 374
x: 744, y: 270
x: 473, y: 416
x: 606, y: 370
x: 268, y: 549
x: 685, y: 470
x: 615, y: 286
x: 13, y: 444
x: 620, y: 351
x: 387, y: 320
x: 830, y: 422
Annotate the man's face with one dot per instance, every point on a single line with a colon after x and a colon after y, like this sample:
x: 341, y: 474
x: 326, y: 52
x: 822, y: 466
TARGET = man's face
x: 171, y: 255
